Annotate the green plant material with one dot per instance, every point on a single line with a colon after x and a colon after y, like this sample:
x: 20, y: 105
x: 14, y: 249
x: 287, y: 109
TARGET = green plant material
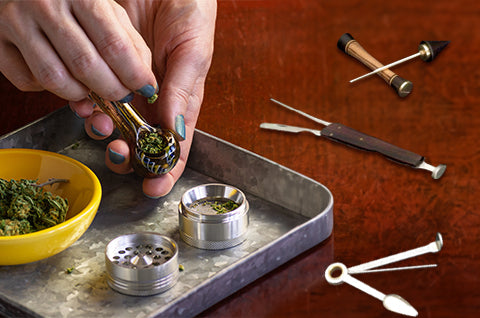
x: 25, y: 207
x: 181, y: 267
x: 14, y: 227
x: 219, y: 207
x: 69, y: 270
x: 152, y: 143
x: 224, y: 207
x: 152, y: 99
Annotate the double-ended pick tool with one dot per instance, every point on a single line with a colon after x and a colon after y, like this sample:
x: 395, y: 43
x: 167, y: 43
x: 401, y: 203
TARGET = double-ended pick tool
x: 351, y: 137
x: 338, y: 273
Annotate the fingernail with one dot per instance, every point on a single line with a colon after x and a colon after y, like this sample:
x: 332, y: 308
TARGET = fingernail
x: 180, y: 126
x: 147, y: 91
x: 115, y: 157
x: 77, y: 115
x: 150, y: 197
x: 96, y: 131
x: 127, y: 99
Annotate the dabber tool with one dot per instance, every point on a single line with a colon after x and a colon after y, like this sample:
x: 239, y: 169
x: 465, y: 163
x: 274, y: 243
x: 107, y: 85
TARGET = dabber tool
x: 427, y: 51
x: 351, y: 47
x: 338, y: 273
x: 147, y: 162
x: 351, y: 137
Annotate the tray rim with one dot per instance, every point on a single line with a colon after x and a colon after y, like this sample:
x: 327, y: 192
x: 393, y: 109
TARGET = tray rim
x: 172, y: 307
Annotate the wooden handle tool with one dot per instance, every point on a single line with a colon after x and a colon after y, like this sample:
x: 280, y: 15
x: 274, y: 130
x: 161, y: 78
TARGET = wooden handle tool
x: 427, y: 51
x: 350, y: 46
x: 359, y: 140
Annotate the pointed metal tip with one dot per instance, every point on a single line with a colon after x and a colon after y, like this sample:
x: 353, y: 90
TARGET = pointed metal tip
x: 431, y: 49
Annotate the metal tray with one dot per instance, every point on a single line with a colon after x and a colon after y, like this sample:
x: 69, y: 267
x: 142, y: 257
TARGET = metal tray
x: 289, y: 214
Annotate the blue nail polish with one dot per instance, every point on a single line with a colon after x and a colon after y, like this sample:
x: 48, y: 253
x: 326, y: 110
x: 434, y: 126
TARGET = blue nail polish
x: 96, y: 131
x: 180, y: 126
x: 115, y: 157
x: 77, y: 115
x: 150, y: 197
x: 127, y: 99
x: 147, y: 91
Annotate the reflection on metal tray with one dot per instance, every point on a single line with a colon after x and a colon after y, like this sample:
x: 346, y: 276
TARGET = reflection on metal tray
x: 289, y: 214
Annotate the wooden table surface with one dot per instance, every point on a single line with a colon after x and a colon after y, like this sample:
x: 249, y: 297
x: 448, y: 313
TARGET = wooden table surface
x: 287, y: 50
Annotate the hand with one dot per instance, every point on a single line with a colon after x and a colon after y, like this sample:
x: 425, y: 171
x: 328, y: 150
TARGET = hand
x: 71, y: 47
x: 181, y: 40
x: 111, y: 58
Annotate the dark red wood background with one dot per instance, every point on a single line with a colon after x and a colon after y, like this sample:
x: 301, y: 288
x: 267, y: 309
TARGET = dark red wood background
x: 286, y: 49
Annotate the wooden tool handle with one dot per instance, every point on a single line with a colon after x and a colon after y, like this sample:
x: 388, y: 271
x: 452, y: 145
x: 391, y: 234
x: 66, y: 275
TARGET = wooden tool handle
x: 352, y: 137
x: 350, y: 46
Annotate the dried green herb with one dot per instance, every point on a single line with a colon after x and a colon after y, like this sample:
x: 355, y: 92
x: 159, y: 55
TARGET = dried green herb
x: 152, y: 99
x: 152, y: 143
x: 25, y: 207
x: 219, y: 207
x: 69, y: 270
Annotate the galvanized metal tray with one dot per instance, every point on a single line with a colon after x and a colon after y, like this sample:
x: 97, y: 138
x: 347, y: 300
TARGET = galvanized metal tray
x: 289, y: 213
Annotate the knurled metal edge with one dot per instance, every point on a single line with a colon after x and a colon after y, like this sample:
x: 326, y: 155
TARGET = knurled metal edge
x: 213, y: 245
x: 143, y: 289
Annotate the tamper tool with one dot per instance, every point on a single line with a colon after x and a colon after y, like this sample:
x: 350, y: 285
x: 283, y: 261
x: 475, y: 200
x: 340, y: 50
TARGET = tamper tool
x: 155, y: 150
x: 427, y: 51
x: 350, y: 46
x: 351, y: 137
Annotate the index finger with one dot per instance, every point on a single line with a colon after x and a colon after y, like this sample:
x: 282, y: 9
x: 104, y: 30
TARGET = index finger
x: 117, y: 41
x: 98, y: 50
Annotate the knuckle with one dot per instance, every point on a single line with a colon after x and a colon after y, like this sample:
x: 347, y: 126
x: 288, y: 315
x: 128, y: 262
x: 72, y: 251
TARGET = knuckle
x: 83, y: 64
x: 26, y: 84
x: 112, y: 46
x: 180, y: 95
x: 204, y: 58
x: 11, y: 22
x: 52, y: 79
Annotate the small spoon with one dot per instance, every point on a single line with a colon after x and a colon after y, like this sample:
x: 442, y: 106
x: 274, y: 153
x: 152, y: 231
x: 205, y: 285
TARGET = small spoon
x: 148, y: 162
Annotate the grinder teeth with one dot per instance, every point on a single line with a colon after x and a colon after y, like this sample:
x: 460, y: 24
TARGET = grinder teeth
x: 141, y: 264
x: 141, y: 256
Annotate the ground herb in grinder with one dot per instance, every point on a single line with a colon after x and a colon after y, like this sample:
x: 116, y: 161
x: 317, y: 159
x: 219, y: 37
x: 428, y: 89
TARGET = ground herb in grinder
x: 206, y: 206
x: 25, y: 207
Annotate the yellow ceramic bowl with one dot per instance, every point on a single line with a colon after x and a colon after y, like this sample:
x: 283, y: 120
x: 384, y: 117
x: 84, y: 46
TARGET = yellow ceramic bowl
x: 83, y: 192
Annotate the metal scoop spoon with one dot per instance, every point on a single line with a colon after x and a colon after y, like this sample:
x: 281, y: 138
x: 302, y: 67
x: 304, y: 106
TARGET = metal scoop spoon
x: 147, y: 161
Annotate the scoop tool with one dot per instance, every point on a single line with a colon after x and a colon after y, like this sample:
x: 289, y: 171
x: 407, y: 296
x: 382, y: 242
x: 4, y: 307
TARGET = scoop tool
x: 338, y: 273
